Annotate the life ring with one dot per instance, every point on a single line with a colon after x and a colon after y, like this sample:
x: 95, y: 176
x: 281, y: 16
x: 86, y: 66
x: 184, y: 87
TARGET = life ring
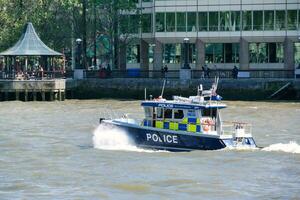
x: 207, y: 123
x: 206, y: 128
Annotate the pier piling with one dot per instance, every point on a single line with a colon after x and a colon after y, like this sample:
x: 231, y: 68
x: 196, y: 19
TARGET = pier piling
x: 32, y: 90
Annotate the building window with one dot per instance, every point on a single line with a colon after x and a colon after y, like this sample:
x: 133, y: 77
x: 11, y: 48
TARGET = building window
x: 181, y: 21
x: 146, y: 23
x: 279, y: 20
x: 222, y: 53
x: 172, y: 53
x: 269, y: 20
x: 235, y: 20
x: 297, y: 53
x: 292, y: 19
x: 266, y: 52
x: 247, y: 20
x: 191, y: 21
x: 257, y: 20
x: 213, y: 21
x: 124, y: 24
x: 192, y: 53
x: 225, y: 22
x: 170, y: 22
x: 133, y: 25
x: 151, y: 53
x: 133, y: 54
x: 298, y: 18
x: 160, y: 22
x: 202, y: 21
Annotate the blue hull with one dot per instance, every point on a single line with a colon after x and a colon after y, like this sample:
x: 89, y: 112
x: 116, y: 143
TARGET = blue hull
x: 170, y: 141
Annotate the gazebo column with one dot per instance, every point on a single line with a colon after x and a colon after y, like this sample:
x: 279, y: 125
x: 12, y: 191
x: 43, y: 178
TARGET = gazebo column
x: 26, y: 64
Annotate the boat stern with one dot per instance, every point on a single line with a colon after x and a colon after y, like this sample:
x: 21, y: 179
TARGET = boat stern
x: 239, y: 136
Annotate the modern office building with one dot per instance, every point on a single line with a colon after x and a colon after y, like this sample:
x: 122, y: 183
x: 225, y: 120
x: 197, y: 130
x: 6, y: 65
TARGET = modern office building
x: 249, y: 34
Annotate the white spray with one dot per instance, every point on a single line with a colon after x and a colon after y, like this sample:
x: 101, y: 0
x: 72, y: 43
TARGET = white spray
x: 291, y: 147
x: 113, y: 138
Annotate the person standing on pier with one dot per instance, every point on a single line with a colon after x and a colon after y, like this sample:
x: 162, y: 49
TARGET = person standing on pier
x: 235, y: 72
x: 41, y: 72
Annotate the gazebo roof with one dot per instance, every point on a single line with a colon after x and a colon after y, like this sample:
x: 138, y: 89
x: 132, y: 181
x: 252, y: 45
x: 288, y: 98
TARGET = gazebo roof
x: 30, y: 45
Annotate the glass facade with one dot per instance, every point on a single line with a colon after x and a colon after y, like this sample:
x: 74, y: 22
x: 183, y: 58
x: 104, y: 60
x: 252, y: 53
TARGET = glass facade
x: 225, y: 22
x: 133, y: 54
x: 160, y: 22
x: 297, y: 54
x: 279, y: 20
x: 235, y: 20
x: 247, y: 20
x: 133, y: 24
x: 181, y: 21
x: 266, y: 52
x: 191, y: 21
x: 192, y: 53
x: 213, y: 21
x: 171, y: 53
x: 222, y: 53
x: 151, y: 53
x: 269, y: 19
x: 170, y: 22
x: 217, y: 51
x: 147, y: 23
x: 256, y: 20
x: 202, y: 21
x: 292, y: 19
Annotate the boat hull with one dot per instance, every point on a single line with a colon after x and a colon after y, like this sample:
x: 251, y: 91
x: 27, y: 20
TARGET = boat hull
x: 149, y: 138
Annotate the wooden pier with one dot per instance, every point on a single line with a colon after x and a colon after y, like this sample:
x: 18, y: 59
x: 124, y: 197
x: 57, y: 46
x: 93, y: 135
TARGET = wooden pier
x: 32, y: 90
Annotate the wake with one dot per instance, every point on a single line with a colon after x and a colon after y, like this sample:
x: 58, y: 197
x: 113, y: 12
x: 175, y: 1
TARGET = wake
x: 113, y: 138
x: 291, y: 147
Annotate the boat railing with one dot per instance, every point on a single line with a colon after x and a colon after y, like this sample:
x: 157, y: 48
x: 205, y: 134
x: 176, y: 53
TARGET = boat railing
x: 113, y: 114
x: 109, y: 113
x: 229, y: 128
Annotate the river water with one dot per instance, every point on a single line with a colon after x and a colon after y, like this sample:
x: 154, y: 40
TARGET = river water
x: 56, y: 150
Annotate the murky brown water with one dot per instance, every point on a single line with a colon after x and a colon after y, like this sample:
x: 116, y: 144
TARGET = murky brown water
x: 47, y: 152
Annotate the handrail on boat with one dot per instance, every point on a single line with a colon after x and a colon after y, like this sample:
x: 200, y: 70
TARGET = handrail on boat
x: 234, y: 122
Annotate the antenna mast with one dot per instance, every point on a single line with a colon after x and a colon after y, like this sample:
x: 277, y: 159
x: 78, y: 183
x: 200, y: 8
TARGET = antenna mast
x: 163, y: 88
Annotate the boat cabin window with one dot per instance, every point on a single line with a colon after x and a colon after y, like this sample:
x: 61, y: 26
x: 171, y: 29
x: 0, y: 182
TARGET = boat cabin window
x: 191, y: 113
x: 209, y: 112
x: 168, y: 114
x: 178, y: 114
x: 159, y: 113
x: 148, y: 112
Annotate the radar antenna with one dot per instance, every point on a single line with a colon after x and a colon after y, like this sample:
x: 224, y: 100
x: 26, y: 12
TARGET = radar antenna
x: 163, y: 88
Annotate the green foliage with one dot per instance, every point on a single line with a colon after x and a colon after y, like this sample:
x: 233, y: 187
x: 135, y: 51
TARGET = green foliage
x: 58, y: 21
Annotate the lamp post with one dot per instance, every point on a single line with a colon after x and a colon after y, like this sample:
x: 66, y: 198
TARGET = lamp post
x: 186, y: 64
x: 78, y: 64
x: 185, y: 71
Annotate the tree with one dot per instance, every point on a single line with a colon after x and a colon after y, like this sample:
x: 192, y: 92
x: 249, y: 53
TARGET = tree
x: 60, y: 22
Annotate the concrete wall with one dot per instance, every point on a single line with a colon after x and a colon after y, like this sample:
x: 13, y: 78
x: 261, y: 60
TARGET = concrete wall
x: 243, y: 89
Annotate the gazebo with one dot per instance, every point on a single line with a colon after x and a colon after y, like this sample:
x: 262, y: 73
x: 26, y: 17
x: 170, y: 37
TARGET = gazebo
x: 30, y: 55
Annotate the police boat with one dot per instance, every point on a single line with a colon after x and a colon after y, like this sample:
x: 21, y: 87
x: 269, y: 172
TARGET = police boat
x: 185, y: 124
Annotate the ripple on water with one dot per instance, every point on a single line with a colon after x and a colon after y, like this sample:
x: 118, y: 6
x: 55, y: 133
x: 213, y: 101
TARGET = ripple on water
x: 131, y: 187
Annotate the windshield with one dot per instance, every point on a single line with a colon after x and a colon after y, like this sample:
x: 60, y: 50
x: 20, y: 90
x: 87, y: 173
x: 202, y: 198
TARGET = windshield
x: 209, y: 112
